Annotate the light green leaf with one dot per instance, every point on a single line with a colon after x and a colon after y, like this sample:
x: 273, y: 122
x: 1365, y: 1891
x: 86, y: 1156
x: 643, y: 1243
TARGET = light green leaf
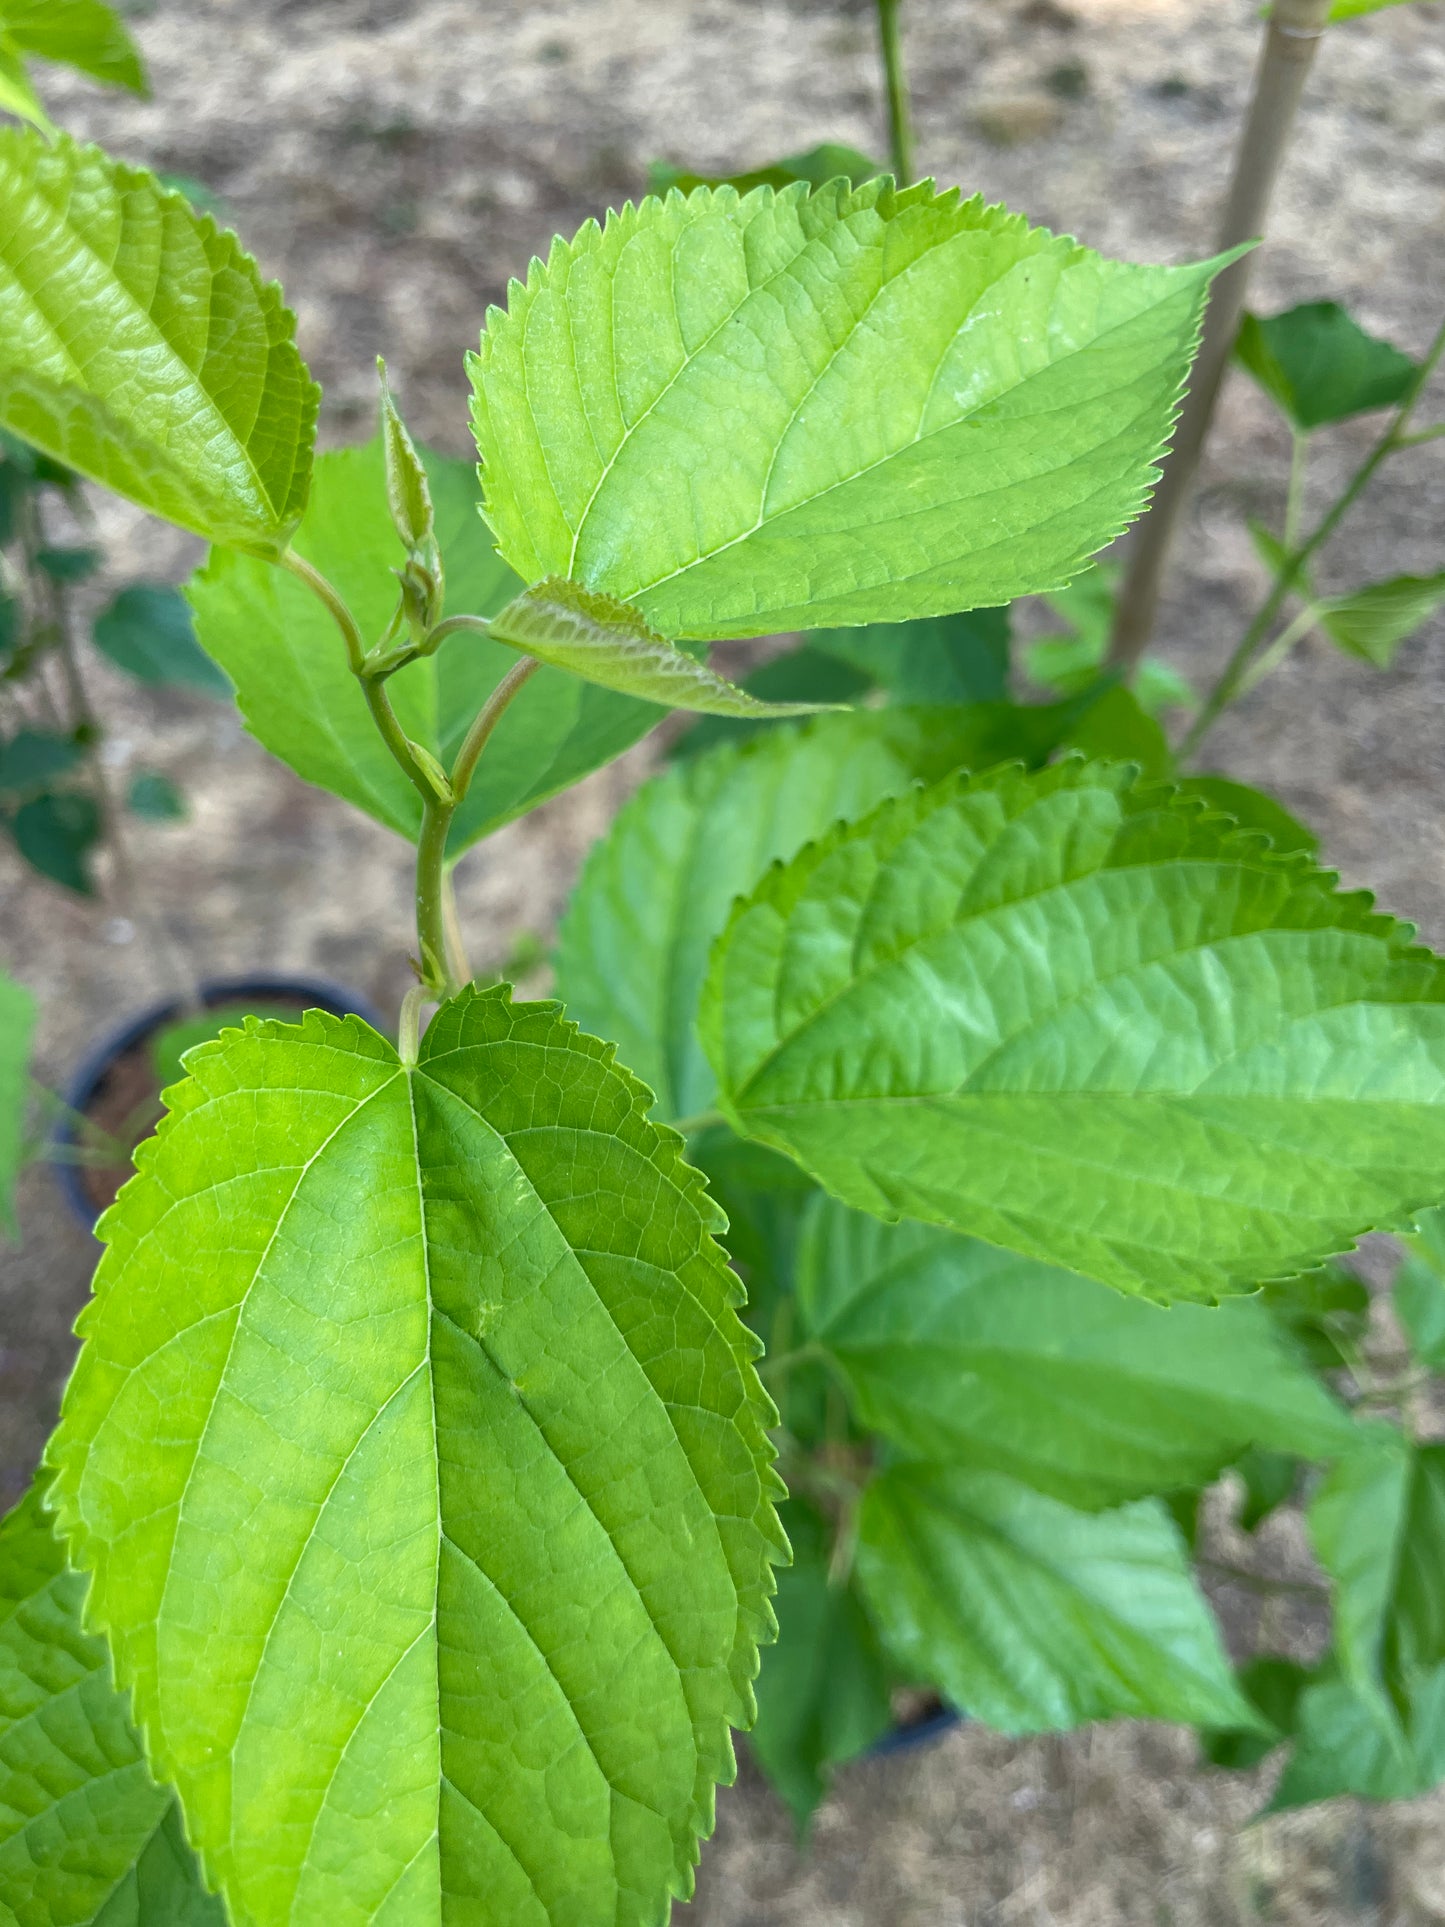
x: 1090, y: 1022
x: 1419, y: 1291
x: 657, y: 890
x: 794, y: 410
x: 86, y: 1835
x: 84, y: 34
x: 17, y: 1028
x: 1356, y: 9
x: 955, y: 1350
x: 1318, y: 365
x: 298, y: 697
x: 823, y: 1688
x: 607, y: 642
x: 828, y: 161
x: 1345, y: 1743
x: 17, y: 96
x: 408, y: 493
x: 1032, y: 1616
x: 416, y: 1453
x: 1372, y: 622
x: 140, y: 346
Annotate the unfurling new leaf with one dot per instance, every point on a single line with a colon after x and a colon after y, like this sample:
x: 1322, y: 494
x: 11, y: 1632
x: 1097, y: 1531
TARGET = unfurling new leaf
x: 1091, y: 1022
x: 794, y: 410
x: 140, y: 346
x: 608, y: 642
x: 419, y: 1461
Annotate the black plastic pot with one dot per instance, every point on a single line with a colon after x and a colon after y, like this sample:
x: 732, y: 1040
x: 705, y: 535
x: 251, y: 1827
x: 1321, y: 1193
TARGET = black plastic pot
x: 904, y: 1739
x: 316, y: 993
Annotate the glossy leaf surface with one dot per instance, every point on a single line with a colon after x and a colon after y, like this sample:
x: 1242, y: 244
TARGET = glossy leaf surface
x: 955, y: 1350
x: 140, y: 346
x: 607, y: 642
x: 1035, y: 1617
x: 794, y: 410
x: 17, y: 1027
x: 657, y: 890
x: 418, y: 1458
x: 1090, y: 1022
x: 86, y: 1835
x: 282, y: 651
x: 1319, y: 365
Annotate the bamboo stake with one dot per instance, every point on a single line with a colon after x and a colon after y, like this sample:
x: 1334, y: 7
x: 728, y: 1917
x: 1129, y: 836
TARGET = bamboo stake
x: 1291, y: 37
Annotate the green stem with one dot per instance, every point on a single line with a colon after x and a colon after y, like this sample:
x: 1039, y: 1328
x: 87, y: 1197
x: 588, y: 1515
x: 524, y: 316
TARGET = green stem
x: 1282, y: 645
x: 700, y: 1121
x: 1295, y: 499
x: 489, y: 715
x: 1227, y: 688
x: 431, y: 926
x: 1421, y: 436
x: 377, y: 700
x: 455, y: 626
x: 900, y: 119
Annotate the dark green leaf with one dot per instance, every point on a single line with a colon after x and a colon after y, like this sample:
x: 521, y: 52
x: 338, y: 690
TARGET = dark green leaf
x: 155, y: 797
x: 55, y: 835
x: 86, y: 1835
x: 938, y: 659
x: 68, y: 565
x: 803, y: 675
x: 1085, y: 1019
x: 1269, y: 1479
x: 148, y: 631
x: 1035, y: 1617
x: 1273, y: 1687
x: 828, y: 161
x: 955, y: 1350
x: 1372, y: 622
x: 33, y: 757
x: 1324, y: 1312
x: 1112, y: 723
x: 823, y: 1688
x: 1319, y: 365
x: 1069, y: 663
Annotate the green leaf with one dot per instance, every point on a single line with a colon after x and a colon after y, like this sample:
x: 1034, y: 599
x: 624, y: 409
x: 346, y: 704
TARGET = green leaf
x: 955, y: 1350
x: 56, y: 834
x: 655, y: 893
x: 84, y: 34
x: 1113, y: 723
x: 1269, y: 1479
x: 803, y: 675
x: 17, y: 96
x: 1273, y: 1687
x: 1323, y: 1313
x: 416, y: 1453
x: 147, y: 631
x: 1318, y: 365
x: 169, y: 1045
x: 794, y: 410
x: 607, y: 642
x: 1356, y: 9
x: 1035, y: 1617
x: 823, y: 1688
x: 140, y: 346
x: 828, y: 161
x: 1372, y: 622
x: 1345, y: 1743
x: 1252, y: 809
x: 154, y: 796
x: 68, y: 565
x: 281, y: 649
x: 1069, y: 663
x: 34, y: 757
x: 17, y: 1029
x: 942, y: 659
x: 86, y: 1835
x: 1090, y: 1022
x: 1419, y: 1291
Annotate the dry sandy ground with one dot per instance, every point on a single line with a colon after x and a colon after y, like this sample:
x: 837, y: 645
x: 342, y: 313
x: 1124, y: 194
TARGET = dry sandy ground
x: 393, y: 164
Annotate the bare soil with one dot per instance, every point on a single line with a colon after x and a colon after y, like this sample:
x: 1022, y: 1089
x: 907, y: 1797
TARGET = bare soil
x: 393, y: 164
